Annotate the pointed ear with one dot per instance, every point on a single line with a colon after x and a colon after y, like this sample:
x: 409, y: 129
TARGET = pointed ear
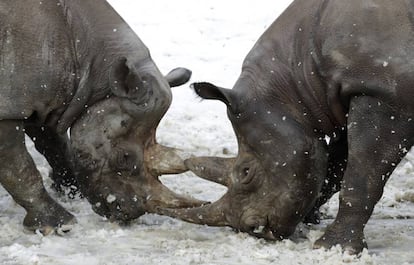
x: 127, y: 83
x: 210, y: 91
x: 118, y: 76
x: 178, y: 76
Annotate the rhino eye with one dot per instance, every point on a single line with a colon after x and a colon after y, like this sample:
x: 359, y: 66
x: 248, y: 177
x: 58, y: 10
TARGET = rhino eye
x: 123, y: 159
x: 247, y: 176
x: 124, y: 123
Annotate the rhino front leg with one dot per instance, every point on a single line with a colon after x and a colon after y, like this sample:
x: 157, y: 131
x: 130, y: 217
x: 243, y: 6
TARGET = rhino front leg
x: 57, y: 151
x: 19, y: 176
x: 378, y: 137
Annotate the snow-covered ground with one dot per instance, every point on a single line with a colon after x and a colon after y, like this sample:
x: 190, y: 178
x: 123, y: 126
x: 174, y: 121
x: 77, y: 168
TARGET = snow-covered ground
x: 211, y: 38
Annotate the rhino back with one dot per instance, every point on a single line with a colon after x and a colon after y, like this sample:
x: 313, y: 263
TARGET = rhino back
x: 100, y: 29
x: 368, y: 47
x: 318, y: 54
x: 36, y: 59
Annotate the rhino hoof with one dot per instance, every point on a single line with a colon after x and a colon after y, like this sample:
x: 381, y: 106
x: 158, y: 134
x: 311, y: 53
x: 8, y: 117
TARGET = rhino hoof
x: 49, y: 224
x: 350, y: 246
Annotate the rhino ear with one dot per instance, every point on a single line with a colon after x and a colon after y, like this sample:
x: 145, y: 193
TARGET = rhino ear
x: 210, y: 91
x: 178, y: 76
x: 118, y: 76
x: 126, y: 82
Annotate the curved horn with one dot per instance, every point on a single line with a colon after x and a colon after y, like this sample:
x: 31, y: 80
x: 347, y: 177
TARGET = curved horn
x: 212, y: 214
x: 163, y: 197
x: 164, y: 160
x: 216, y: 169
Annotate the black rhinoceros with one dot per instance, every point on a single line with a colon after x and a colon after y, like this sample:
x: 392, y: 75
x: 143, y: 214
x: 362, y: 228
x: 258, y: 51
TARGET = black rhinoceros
x: 343, y: 69
x: 76, y: 64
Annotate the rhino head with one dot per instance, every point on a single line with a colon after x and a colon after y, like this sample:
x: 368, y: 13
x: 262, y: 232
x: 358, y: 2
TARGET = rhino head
x: 275, y: 178
x: 116, y: 153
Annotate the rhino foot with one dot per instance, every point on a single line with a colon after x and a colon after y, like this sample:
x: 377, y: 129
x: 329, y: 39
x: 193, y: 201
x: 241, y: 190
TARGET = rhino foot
x: 55, y: 219
x: 351, y: 241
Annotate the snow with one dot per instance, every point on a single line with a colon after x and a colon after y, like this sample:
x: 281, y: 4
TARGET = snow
x: 211, y: 38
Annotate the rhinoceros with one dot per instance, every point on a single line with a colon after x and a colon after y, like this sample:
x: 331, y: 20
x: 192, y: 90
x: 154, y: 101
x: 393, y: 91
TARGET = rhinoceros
x: 343, y: 69
x: 77, y: 64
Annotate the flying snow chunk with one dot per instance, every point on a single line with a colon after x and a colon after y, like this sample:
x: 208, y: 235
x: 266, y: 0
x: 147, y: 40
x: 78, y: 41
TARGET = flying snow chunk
x: 111, y: 198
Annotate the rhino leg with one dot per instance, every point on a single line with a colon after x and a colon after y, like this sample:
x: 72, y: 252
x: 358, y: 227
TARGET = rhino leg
x: 19, y: 176
x: 57, y: 151
x: 378, y: 138
x: 338, y: 154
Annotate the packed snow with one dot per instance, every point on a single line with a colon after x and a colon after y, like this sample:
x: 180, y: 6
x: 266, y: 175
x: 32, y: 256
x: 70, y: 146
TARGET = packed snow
x: 211, y: 38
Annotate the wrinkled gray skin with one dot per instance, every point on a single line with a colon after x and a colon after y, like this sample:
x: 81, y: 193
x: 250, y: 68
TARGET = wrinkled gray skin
x: 338, y: 68
x: 76, y: 64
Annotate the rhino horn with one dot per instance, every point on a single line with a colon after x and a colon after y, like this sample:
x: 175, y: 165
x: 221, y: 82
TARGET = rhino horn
x: 216, y: 169
x: 162, y: 197
x: 210, y: 214
x: 162, y: 160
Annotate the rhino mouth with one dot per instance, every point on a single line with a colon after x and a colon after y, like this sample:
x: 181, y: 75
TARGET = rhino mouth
x: 261, y: 227
x: 268, y: 232
x: 114, y: 212
x: 263, y: 231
